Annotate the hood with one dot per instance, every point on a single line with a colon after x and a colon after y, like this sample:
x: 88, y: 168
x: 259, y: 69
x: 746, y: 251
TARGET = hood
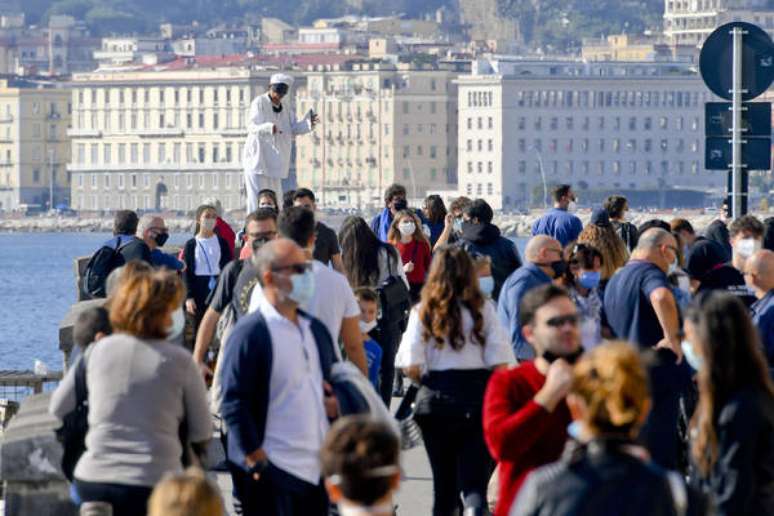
x: 704, y: 257
x: 482, y: 234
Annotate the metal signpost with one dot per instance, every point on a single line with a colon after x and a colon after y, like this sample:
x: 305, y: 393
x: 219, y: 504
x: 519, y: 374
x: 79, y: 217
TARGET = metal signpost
x: 737, y: 64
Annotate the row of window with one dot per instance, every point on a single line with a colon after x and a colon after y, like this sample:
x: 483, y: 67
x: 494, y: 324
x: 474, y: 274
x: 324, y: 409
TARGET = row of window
x: 615, y: 123
x: 163, y: 120
x: 202, y: 180
x: 600, y: 167
x: 162, y: 152
x: 598, y: 145
x: 610, y: 99
x: 186, y: 202
x: 94, y: 96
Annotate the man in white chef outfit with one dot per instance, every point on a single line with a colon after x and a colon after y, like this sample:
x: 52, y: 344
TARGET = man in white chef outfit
x: 271, y: 127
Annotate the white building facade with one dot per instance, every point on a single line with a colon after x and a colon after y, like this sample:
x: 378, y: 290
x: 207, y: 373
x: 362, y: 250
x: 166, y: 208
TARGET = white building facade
x: 160, y: 141
x: 379, y: 125
x: 689, y: 22
x: 524, y: 126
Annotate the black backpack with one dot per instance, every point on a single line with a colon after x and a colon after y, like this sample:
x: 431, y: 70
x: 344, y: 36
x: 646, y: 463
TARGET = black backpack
x: 72, y: 433
x: 394, y: 299
x: 101, y: 264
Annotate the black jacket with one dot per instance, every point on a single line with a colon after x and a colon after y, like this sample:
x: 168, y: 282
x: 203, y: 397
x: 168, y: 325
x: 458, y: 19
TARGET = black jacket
x: 602, y: 479
x: 742, y: 480
x: 718, y: 231
x: 485, y: 239
x: 189, y: 258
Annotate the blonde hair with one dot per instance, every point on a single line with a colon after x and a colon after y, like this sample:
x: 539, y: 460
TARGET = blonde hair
x: 186, y: 494
x: 143, y: 299
x: 612, y: 382
x: 606, y: 240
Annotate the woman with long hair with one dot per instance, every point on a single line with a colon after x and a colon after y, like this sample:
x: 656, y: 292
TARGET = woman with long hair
x: 453, y: 342
x: 732, y: 429
x: 141, y: 390
x: 605, y: 470
x: 204, y: 255
x: 601, y: 235
x: 369, y: 262
x: 582, y: 279
x: 415, y: 251
x: 435, y: 215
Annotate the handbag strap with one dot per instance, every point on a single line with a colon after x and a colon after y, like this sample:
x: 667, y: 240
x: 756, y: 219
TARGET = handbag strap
x: 81, y: 390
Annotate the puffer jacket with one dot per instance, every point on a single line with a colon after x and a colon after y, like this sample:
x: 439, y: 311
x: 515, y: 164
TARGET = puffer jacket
x: 606, y: 477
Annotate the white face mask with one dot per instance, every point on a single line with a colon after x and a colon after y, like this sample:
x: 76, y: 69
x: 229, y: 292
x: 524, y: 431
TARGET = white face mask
x: 303, y: 286
x: 672, y: 267
x: 208, y: 224
x: 572, y: 206
x: 407, y: 228
x: 748, y: 247
x: 178, y: 324
x: 367, y: 327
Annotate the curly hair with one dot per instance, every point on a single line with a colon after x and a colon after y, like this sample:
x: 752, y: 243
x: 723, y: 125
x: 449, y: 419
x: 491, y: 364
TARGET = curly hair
x: 612, y: 382
x: 606, y: 240
x: 451, y: 283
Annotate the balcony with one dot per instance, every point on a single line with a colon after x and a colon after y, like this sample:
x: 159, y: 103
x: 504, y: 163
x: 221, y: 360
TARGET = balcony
x: 6, y: 164
x: 6, y: 119
x: 155, y: 167
x: 160, y: 132
x: 84, y: 133
x: 234, y: 131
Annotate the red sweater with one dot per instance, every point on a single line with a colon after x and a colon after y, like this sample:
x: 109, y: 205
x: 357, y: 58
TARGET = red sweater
x: 225, y: 232
x: 419, y: 253
x: 521, y: 435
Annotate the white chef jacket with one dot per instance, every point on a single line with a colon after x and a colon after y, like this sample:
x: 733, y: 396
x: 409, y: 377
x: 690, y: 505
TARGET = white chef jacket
x: 266, y: 153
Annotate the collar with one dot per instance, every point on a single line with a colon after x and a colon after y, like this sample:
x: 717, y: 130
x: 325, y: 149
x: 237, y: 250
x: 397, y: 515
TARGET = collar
x: 535, y: 269
x: 270, y: 313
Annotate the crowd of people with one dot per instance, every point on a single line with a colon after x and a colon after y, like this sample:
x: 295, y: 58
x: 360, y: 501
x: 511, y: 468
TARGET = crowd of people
x: 614, y: 369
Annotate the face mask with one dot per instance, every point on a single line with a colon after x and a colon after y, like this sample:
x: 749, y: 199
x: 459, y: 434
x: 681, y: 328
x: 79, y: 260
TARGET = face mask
x: 574, y: 430
x: 572, y: 206
x: 589, y: 279
x: 407, y: 229
x: 691, y: 357
x: 208, y: 224
x: 302, y: 290
x: 267, y: 207
x: 747, y: 247
x: 672, y: 268
x: 400, y: 204
x: 161, y: 239
x: 457, y: 225
x: 367, y: 327
x: 486, y: 285
x: 570, y: 358
x: 559, y: 267
x: 178, y: 323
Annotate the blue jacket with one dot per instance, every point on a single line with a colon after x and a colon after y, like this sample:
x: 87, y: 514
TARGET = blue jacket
x: 763, y: 319
x: 516, y: 286
x: 245, y: 377
x: 559, y: 224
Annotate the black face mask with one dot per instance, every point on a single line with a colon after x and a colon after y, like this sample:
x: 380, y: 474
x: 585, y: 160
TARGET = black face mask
x: 559, y: 267
x: 400, y: 205
x: 161, y: 239
x: 571, y: 358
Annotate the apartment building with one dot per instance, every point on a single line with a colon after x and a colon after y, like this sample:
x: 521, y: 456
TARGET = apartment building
x: 161, y: 140
x: 607, y: 126
x: 379, y: 124
x: 689, y: 22
x: 34, y: 117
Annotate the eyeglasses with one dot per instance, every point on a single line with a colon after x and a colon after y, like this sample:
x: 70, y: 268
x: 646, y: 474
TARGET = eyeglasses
x: 561, y: 320
x: 296, y: 268
x: 268, y: 235
x: 673, y: 248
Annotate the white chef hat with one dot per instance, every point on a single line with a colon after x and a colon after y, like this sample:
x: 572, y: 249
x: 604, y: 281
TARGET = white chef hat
x: 281, y: 78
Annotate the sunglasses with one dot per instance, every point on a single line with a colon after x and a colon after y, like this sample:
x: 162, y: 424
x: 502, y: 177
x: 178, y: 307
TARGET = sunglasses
x: 295, y: 268
x: 262, y: 236
x: 561, y: 320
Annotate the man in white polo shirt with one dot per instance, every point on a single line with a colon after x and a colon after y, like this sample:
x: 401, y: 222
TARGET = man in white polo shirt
x: 333, y: 302
x: 276, y: 403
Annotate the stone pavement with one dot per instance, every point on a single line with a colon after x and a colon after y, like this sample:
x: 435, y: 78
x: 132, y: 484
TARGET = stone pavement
x: 415, y: 497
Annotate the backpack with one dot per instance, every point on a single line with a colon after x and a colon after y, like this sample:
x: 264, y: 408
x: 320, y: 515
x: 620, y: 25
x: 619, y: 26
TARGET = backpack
x: 101, y: 264
x: 394, y: 300
x: 75, y: 425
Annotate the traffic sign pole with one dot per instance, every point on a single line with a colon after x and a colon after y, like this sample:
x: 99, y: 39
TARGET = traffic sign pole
x: 736, y: 128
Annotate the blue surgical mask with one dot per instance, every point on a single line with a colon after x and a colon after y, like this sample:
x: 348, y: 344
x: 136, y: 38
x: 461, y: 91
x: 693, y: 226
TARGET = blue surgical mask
x: 457, y: 225
x: 303, y: 287
x: 672, y: 268
x: 486, y: 284
x: 589, y: 279
x: 574, y: 430
x: 694, y: 360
